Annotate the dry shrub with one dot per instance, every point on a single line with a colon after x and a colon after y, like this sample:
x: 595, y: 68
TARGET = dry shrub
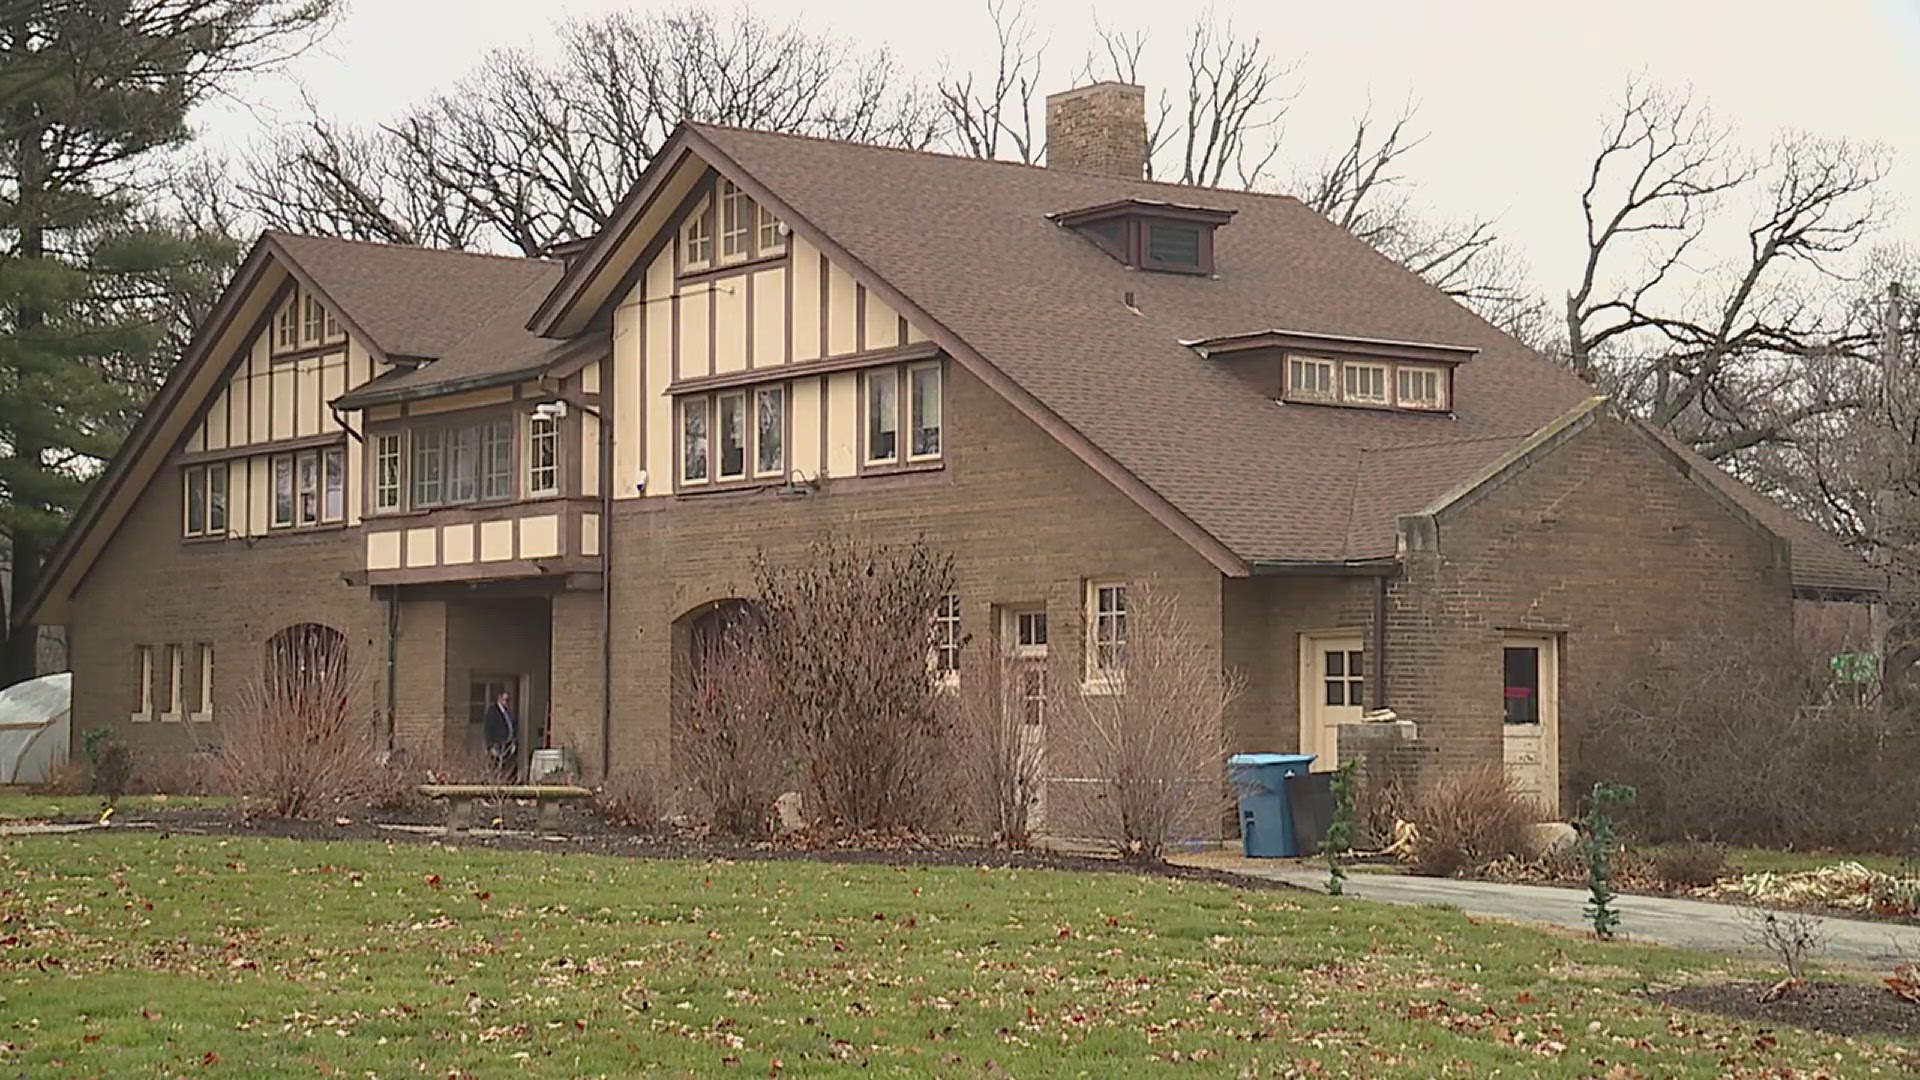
x: 1691, y: 864
x: 303, y: 740
x: 1470, y: 819
x: 732, y: 748
x: 845, y: 636
x: 999, y: 766
x: 1747, y: 747
x: 1151, y: 752
x: 73, y: 776
x: 1381, y: 804
x: 630, y: 800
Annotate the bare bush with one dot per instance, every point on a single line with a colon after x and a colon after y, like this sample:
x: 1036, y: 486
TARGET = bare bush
x: 303, y: 738
x: 1152, y: 747
x: 630, y: 800
x: 845, y: 635
x: 73, y: 776
x: 1690, y: 865
x: 733, y: 750
x: 1748, y: 747
x: 1791, y: 937
x: 1000, y: 757
x: 1466, y: 820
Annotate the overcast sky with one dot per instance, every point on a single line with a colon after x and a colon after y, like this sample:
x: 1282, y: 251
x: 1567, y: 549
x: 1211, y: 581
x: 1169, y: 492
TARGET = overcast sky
x: 1511, y: 91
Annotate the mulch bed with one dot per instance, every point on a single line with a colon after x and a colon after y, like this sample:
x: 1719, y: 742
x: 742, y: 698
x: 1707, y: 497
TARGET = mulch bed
x: 1835, y: 1007
x: 581, y: 832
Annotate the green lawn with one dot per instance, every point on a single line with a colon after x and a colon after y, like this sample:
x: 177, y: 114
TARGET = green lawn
x: 127, y: 954
x: 18, y: 805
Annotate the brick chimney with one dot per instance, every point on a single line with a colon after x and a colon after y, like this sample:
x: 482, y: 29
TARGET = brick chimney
x: 1100, y: 128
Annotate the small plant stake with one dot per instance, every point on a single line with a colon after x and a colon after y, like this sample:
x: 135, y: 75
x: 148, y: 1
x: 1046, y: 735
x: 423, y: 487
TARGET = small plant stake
x: 1600, y: 840
x: 1340, y: 833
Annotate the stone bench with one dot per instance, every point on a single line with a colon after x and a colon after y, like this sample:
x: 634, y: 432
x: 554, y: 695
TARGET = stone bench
x: 461, y: 797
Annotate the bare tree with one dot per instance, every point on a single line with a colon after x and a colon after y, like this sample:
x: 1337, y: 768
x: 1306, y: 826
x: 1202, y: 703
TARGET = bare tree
x: 1152, y: 750
x: 527, y: 152
x: 997, y: 723
x: 989, y: 122
x: 1231, y: 111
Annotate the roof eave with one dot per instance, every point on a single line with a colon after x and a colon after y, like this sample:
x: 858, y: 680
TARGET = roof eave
x: 1379, y: 567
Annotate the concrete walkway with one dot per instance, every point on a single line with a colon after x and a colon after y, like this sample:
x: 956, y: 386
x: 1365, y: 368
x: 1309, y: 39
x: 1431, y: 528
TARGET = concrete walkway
x: 1691, y: 924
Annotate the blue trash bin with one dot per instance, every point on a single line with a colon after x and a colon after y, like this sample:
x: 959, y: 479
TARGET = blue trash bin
x: 1266, y: 821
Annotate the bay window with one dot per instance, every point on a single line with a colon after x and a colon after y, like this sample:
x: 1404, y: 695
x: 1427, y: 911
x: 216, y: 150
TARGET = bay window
x: 468, y: 463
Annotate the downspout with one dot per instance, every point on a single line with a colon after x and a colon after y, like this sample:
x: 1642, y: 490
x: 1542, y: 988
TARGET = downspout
x: 606, y: 590
x: 393, y: 655
x: 1379, y: 643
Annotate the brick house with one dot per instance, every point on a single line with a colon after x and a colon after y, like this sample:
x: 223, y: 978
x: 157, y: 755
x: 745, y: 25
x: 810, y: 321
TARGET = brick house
x: 491, y: 473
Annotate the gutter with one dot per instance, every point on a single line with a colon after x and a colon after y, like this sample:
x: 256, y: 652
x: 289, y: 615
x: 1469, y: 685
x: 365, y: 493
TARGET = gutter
x: 1384, y: 567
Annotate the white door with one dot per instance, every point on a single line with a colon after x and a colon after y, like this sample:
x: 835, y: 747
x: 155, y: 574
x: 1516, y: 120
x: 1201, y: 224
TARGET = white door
x: 1530, y: 707
x: 1026, y: 633
x: 1333, y: 689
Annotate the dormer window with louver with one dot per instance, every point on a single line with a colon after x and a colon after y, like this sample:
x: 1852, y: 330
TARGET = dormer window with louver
x: 1148, y: 235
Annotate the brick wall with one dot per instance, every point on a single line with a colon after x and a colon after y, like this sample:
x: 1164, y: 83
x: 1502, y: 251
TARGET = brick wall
x: 1601, y: 542
x: 148, y: 588
x: 1025, y: 520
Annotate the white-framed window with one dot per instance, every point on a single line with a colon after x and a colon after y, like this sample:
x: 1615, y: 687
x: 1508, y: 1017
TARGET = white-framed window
x: 1310, y: 377
x: 883, y: 416
x: 736, y: 223
x: 333, y: 475
x: 696, y: 239
x: 771, y: 237
x: 194, y: 481
x: 308, y: 504
x: 283, y: 491
x: 1106, y: 632
x: 203, y: 711
x: 1030, y: 633
x: 429, y: 466
x: 693, y: 440
x: 732, y: 422
x: 313, y: 327
x: 1364, y: 383
x: 217, y: 499
x: 470, y: 462
x: 924, y: 408
x: 143, y: 694
x: 387, y: 450
x: 946, y: 639
x: 543, y: 455
x: 770, y: 431
x: 1420, y: 387
x: 286, y: 326
x: 176, y: 692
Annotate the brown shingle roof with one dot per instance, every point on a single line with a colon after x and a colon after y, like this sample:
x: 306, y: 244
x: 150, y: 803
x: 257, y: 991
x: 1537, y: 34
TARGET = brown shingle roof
x: 970, y: 242
x: 422, y: 302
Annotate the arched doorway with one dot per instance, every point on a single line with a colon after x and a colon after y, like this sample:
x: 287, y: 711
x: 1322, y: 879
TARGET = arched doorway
x: 308, y: 669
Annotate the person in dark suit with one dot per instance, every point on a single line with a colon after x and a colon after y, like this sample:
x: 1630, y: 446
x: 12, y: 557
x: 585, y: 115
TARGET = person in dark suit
x: 502, y: 732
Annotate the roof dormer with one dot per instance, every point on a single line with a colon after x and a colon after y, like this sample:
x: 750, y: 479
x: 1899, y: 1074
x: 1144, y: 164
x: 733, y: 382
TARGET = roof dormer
x: 1146, y: 234
x: 1324, y: 369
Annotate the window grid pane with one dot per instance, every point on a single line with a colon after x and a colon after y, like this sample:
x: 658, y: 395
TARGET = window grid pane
x: 1032, y: 629
x: 429, y: 458
x: 196, y: 487
x: 770, y: 431
x: 309, y: 488
x: 386, y: 472
x: 926, y: 411
x: 334, y: 466
x: 543, y: 466
x: 698, y: 239
x: 217, y: 499
x: 946, y: 636
x: 770, y: 238
x: 1365, y: 382
x: 1110, y: 628
x: 496, y: 460
x: 283, y: 491
x: 693, y: 427
x: 883, y: 416
x: 735, y: 215
x: 733, y: 436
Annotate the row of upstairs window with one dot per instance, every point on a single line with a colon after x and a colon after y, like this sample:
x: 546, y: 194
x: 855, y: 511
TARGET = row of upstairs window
x: 729, y: 227
x: 309, y: 490
x: 743, y: 435
x: 423, y: 468
x: 303, y: 322
x: 1367, y: 383
x: 169, y: 663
